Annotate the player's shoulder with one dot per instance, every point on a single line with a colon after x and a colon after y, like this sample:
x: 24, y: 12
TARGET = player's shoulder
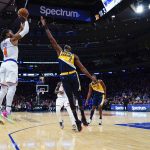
x: 6, y: 40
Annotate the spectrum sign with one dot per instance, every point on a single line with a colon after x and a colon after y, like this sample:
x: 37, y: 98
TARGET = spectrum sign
x: 60, y: 12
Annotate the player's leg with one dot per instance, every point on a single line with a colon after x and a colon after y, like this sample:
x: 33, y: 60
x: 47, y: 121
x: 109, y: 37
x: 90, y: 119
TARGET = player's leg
x: 67, y: 106
x: 68, y: 89
x: 3, y: 93
x: 11, y: 80
x: 3, y: 90
x: 10, y: 95
x: 92, y: 113
x: 100, y: 114
x: 59, y: 104
x: 76, y: 91
x: 101, y: 101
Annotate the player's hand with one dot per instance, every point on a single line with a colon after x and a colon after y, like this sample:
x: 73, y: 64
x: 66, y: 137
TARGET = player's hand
x: 43, y: 21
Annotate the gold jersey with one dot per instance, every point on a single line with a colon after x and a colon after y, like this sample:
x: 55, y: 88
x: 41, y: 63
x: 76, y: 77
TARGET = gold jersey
x: 97, y: 87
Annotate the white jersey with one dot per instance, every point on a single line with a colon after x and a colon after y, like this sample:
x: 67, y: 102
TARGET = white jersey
x: 61, y: 95
x: 9, y: 50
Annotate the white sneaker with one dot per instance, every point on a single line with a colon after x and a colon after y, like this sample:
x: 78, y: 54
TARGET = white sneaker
x: 100, y: 122
x: 7, y: 116
x: 74, y: 127
x: 90, y: 121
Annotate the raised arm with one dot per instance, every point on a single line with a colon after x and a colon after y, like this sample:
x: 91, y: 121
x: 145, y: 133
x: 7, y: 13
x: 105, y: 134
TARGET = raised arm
x: 20, y: 29
x: 21, y: 33
x: 82, y: 68
x: 52, y: 40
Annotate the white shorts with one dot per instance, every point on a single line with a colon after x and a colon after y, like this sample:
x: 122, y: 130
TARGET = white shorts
x: 62, y: 102
x: 8, y: 72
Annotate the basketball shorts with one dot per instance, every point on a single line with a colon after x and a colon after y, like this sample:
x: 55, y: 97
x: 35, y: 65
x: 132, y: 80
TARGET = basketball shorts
x: 97, y: 99
x: 8, y: 72
x: 60, y: 101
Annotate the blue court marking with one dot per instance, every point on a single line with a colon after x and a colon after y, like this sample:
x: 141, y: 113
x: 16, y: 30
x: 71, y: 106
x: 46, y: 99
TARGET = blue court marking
x: 12, y: 139
x: 142, y: 125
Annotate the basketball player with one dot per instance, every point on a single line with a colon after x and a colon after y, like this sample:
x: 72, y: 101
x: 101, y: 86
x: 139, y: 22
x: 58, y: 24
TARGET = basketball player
x: 68, y: 62
x: 62, y: 100
x: 9, y: 67
x: 98, y: 89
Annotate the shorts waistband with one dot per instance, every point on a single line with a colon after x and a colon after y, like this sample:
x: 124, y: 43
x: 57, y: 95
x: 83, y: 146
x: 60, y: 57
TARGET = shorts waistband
x: 68, y: 73
x: 10, y: 60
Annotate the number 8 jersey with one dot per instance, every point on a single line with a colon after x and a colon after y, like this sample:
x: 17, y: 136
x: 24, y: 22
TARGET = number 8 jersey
x: 9, y: 50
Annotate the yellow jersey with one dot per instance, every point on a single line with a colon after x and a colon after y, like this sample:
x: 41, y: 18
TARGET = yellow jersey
x: 97, y: 87
x: 66, y: 61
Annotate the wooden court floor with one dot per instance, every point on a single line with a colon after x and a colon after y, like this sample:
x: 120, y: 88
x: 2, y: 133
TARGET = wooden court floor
x: 40, y: 131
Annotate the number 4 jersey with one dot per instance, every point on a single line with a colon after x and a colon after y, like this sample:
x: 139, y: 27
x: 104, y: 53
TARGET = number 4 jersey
x: 9, y: 67
x: 9, y: 50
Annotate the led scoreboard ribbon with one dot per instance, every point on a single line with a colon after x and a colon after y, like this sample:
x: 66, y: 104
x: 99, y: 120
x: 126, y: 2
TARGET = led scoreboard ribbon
x: 109, y: 4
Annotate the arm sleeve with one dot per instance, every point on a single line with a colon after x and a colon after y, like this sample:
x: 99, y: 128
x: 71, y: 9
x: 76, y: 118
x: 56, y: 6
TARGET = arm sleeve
x: 25, y: 29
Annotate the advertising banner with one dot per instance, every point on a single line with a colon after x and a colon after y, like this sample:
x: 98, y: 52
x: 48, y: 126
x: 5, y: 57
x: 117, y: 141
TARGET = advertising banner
x: 60, y: 12
x: 135, y: 107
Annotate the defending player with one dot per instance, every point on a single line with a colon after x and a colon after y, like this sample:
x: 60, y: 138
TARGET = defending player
x: 62, y: 100
x: 68, y: 62
x: 9, y: 67
x: 98, y: 89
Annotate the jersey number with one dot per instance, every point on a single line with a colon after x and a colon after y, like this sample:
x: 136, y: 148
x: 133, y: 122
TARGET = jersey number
x: 5, y: 52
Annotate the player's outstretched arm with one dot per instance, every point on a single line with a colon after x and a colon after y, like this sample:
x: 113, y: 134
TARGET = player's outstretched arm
x: 54, y: 43
x: 21, y: 34
x: 20, y: 29
x: 82, y: 68
x: 89, y: 94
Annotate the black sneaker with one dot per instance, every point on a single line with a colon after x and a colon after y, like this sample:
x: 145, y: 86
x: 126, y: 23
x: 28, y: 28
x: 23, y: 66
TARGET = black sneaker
x: 79, y: 127
x: 85, y: 123
x: 61, y: 124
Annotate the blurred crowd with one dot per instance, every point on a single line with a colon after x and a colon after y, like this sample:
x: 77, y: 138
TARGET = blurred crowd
x: 124, y: 89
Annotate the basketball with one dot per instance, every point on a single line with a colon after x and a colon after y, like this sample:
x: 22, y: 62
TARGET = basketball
x: 23, y: 12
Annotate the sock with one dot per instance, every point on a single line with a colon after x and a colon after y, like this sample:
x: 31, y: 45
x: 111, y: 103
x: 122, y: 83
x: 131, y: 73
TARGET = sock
x: 100, y: 121
x: 3, y: 93
x: 9, y: 97
x: 58, y: 114
x: 70, y: 115
x: 91, y: 115
x: 83, y: 115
